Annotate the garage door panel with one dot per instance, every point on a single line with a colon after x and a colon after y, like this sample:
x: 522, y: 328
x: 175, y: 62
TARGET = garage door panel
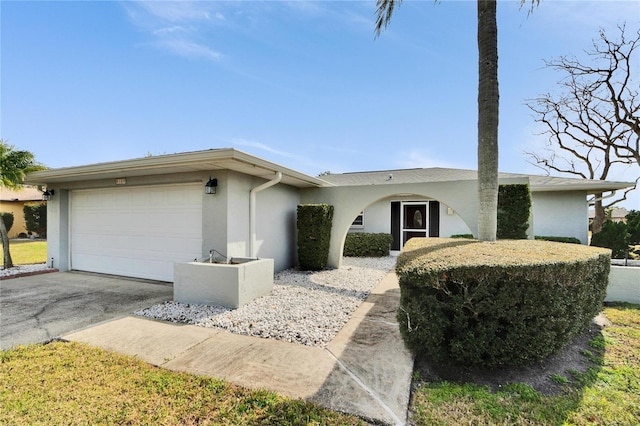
x: 137, y: 232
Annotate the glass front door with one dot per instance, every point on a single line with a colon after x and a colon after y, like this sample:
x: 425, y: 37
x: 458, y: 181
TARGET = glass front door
x: 414, y: 221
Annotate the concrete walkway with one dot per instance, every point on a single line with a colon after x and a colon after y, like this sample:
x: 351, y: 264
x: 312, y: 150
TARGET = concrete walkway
x: 365, y: 370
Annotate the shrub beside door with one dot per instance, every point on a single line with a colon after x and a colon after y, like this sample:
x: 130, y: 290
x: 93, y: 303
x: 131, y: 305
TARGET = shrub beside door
x: 314, y: 235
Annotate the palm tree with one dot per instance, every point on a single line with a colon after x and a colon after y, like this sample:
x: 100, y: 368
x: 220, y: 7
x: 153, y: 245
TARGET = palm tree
x: 13, y: 166
x: 488, y: 105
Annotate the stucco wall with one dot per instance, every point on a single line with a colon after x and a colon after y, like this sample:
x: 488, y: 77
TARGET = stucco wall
x: 15, y: 207
x: 624, y: 284
x: 58, y: 230
x: 275, y: 220
x: 349, y: 201
x: 560, y: 214
x: 377, y: 218
x: 225, y: 218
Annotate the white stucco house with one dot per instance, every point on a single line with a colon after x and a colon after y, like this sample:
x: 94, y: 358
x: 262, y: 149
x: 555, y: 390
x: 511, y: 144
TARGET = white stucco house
x: 137, y: 217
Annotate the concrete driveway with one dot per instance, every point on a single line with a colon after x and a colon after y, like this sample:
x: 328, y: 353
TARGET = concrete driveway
x: 38, y: 308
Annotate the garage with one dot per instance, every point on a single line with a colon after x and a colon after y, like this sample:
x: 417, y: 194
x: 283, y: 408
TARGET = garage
x: 135, y: 231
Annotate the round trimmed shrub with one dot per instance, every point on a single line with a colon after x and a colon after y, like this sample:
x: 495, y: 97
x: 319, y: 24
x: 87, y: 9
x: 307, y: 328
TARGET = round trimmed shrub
x: 490, y: 304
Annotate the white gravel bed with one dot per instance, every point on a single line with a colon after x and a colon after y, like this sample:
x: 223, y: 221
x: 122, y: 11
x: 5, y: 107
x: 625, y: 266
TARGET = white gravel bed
x: 308, y: 308
x: 23, y: 269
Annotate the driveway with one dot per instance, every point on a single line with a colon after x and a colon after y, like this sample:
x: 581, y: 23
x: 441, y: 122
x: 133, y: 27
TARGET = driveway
x: 38, y: 308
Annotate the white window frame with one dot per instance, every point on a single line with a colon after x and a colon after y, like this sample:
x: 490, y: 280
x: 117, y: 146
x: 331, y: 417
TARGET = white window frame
x: 354, y: 225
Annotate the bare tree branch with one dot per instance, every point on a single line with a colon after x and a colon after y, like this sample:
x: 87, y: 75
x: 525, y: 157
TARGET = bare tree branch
x: 593, y: 124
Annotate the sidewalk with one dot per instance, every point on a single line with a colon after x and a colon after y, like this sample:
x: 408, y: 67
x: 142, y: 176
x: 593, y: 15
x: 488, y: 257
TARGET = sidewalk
x: 365, y: 370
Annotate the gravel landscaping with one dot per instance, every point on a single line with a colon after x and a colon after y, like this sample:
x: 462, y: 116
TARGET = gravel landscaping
x: 304, y: 307
x: 23, y: 270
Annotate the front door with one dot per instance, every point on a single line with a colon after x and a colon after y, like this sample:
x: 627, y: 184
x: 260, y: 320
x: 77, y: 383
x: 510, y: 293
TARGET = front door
x: 414, y: 221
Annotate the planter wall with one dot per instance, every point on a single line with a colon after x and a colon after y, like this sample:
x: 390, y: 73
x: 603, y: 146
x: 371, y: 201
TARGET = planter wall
x: 220, y: 284
x: 624, y: 284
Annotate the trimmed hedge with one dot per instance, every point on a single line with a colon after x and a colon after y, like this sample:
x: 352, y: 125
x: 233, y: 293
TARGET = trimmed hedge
x: 7, y: 218
x: 570, y: 240
x: 510, y: 302
x: 467, y: 236
x: 514, y: 202
x: 314, y: 235
x: 364, y: 244
x: 35, y: 217
x: 614, y: 236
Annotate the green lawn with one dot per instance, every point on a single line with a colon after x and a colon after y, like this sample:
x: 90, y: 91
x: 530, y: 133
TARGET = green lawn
x: 70, y: 383
x: 608, y: 394
x: 25, y: 252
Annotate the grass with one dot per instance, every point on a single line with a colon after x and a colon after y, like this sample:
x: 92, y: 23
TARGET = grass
x: 71, y: 383
x: 608, y: 394
x: 25, y: 252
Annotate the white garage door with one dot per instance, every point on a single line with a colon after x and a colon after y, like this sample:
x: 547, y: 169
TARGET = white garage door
x: 136, y: 231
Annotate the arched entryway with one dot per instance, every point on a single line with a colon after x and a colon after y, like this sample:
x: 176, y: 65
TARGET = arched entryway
x: 415, y: 202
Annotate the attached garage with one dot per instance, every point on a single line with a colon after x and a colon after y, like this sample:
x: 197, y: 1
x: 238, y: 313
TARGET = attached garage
x: 135, y: 231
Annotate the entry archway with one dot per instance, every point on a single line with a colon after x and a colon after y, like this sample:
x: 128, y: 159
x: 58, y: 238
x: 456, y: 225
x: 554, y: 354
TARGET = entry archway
x: 349, y: 201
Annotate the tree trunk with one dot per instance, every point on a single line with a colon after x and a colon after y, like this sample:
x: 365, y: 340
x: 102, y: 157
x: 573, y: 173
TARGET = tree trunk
x: 599, y: 217
x: 488, y: 105
x: 4, y: 235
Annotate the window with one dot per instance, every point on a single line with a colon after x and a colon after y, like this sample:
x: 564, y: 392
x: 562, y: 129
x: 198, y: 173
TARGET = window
x: 358, y: 222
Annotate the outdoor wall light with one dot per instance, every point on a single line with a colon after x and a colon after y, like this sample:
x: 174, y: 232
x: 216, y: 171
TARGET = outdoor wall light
x: 211, y: 186
x: 47, y: 195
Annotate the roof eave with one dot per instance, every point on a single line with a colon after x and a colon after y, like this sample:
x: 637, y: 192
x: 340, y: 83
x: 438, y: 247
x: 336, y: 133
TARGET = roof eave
x: 213, y: 159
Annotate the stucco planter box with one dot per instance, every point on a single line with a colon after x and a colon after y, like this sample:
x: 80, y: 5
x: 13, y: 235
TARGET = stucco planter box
x: 222, y: 284
x: 624, y: 284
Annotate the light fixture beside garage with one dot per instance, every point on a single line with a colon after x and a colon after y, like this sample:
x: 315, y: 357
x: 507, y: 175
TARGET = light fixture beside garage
x: 211, y: 186
x: 47, y: 195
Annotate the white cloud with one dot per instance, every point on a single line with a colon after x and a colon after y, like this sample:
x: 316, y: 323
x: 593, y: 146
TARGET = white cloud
x: 176, y: 26
x: 187, y: 49
x: 178, y: 11
x: 259, y: 145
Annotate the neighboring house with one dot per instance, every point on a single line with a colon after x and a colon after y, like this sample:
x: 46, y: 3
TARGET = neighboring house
x: 14, y: 202
x: 137, y: 217
x: 618, y: 214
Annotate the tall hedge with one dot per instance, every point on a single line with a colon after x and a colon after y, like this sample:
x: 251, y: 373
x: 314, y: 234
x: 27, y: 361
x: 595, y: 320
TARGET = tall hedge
x: 314, y: 235
x: 514, y: 203
x: 510, y: 302
x: 614, y: 236
x: 35, y: 217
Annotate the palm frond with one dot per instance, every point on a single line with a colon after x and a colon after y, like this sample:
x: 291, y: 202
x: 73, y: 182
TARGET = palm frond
x: 384, y: 11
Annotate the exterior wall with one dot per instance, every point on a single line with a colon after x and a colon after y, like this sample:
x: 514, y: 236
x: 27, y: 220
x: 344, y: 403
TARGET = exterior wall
x: 214, y: 215
x: 377, y: 218
x: 349, y: 201
x: 275, y: 220
x: 225, y: 218
x: 451, y: 224
x: 560, y: 214
x: 276, y: 225
x: 58, y: 231
x: 19, y: 224
x: 58, y: 242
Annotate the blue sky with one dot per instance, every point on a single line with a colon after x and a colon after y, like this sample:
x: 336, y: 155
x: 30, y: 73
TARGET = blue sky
x: 303, y: 84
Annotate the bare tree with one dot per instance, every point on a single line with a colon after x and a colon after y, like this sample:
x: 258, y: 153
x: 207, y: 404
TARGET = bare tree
x: 593, y: 124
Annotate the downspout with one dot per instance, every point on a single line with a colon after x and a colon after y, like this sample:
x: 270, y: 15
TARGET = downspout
x: 252, y: 211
